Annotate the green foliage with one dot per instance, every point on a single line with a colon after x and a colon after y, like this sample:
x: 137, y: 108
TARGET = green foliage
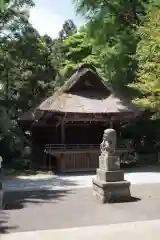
x: 148, y: 55
x: 77, y: 49
x: 113, y: 25
x: 11, y: 137
x: 3, y: 4
x: 68, y: 29
x: 14, y: 18
x: 26, y: 69
x: 26, y: 72
x: 127, y: 37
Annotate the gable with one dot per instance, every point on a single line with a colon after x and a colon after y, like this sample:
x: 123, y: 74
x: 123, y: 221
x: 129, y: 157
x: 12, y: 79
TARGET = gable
x: 87, y: 80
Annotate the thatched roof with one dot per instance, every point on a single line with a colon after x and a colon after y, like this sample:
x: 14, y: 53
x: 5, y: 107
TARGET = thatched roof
x: 85, y: 92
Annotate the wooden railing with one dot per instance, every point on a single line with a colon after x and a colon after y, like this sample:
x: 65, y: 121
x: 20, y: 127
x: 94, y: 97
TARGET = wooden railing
x: 82, y: 147
x: 64, y: 147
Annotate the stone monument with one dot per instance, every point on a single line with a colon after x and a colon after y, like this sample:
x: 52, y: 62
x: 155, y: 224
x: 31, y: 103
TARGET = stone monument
x: 1, y: 186
x: 109, y: 184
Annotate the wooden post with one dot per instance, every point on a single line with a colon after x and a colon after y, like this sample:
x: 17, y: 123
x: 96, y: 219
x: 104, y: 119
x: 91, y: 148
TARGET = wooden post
x: 45, y: 161
x: 62, y: 131
x: 62, y: 158
x: 50, y: 162
x: 111, y: 124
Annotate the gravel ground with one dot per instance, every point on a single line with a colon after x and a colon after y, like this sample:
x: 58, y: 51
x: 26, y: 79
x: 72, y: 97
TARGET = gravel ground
x: 39, y: 210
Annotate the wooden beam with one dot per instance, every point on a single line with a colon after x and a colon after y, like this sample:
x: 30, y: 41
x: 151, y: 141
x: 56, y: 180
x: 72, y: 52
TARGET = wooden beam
x: 83, y: 124
x: 87, y: 119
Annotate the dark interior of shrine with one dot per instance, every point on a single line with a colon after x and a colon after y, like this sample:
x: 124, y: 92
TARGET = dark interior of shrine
x: 75, y: 133
x: 84, y: 133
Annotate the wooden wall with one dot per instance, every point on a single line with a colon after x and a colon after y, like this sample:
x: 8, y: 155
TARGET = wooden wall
x: 77, y: 162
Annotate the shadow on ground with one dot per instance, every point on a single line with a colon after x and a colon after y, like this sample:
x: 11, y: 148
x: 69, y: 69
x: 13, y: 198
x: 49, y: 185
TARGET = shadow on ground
x: 132, y: 199
x: 21, y: 199
x: 66, y: 209
x: 37, y: 183
x: 4, y: 228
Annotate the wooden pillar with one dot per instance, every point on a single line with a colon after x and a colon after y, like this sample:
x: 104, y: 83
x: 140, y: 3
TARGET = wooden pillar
x: 62, y: 158
x: 62, y: 131
x: 111, y: 123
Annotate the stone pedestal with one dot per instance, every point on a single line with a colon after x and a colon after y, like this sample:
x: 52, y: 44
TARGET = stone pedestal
x: 109, y: 184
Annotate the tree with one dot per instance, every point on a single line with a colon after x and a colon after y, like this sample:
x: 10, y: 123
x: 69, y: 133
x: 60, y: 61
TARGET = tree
x: 24, y: 61
x: 26, y: 64
x: 13, y: 20
x: 14, y: 17
x: 76, y: 50
x: 113, y: 25
x: 148, y: 54
x: 68, y: 29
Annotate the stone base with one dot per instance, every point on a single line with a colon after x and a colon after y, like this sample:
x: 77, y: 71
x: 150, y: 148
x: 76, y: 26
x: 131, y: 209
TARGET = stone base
x: 109, y: 192
x: 109, y: 162
x: 110, y: 176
